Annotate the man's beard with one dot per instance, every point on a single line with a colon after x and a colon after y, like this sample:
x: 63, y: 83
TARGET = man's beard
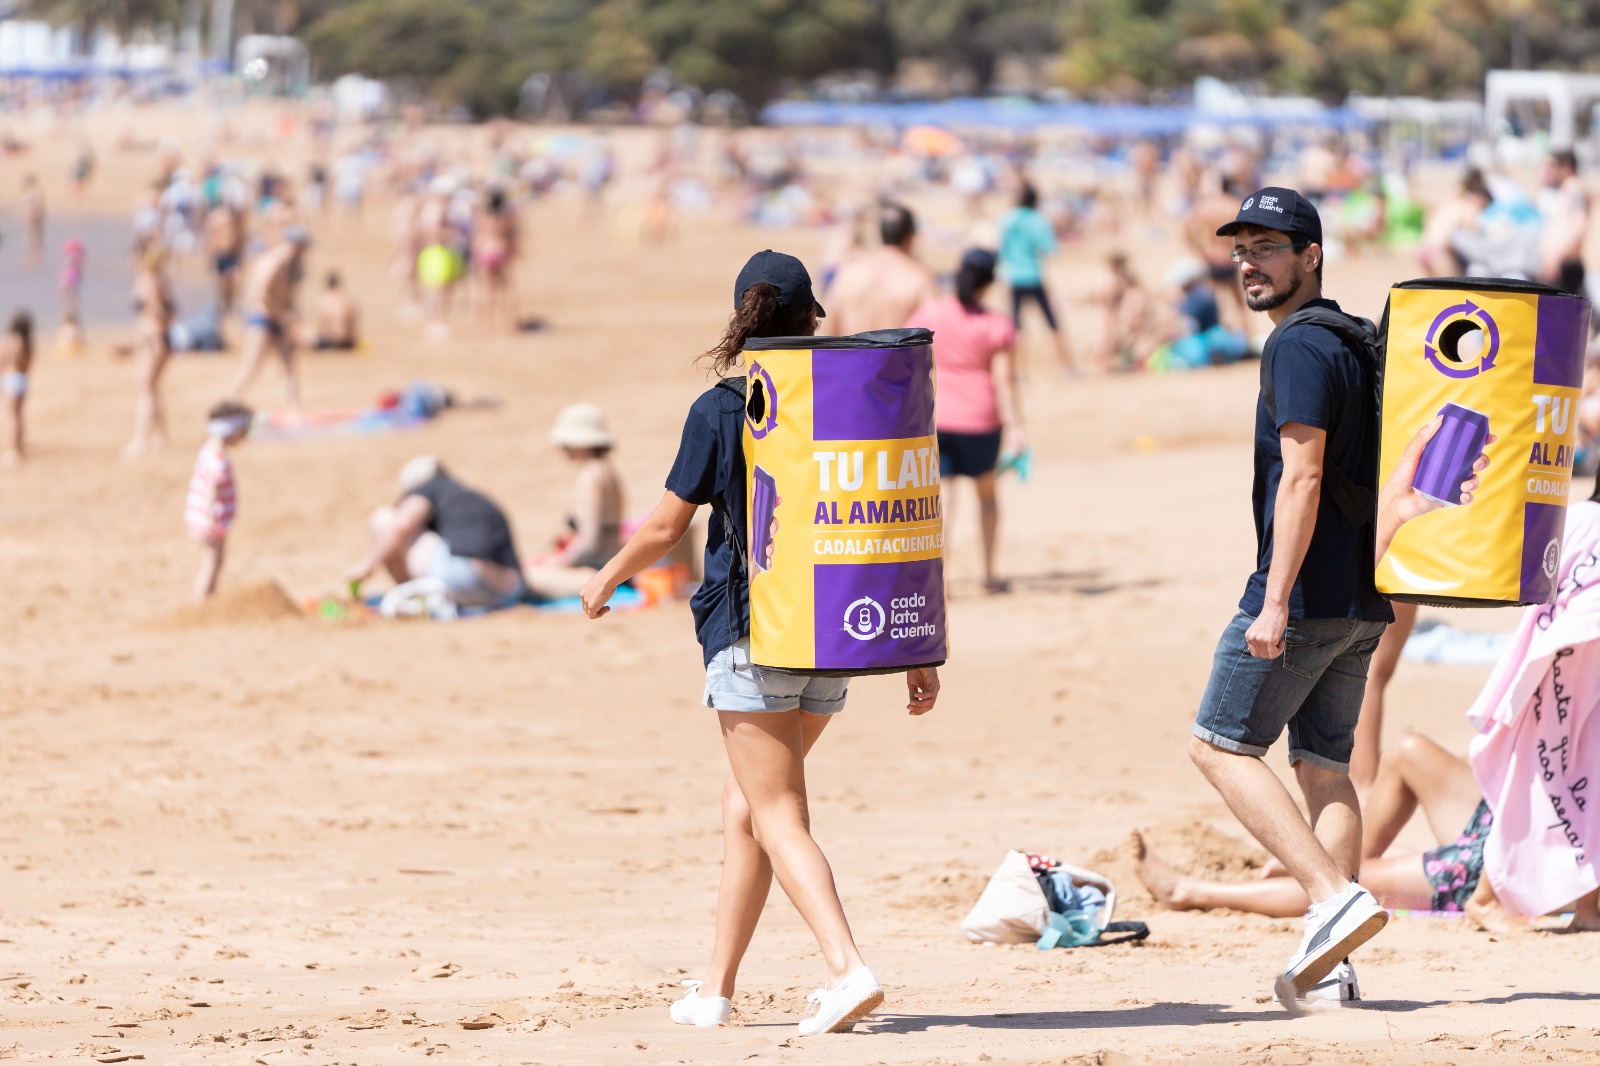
x: 1271, y: 296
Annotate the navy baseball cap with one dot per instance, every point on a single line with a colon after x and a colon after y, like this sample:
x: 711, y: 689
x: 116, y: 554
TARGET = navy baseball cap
x: 1283, y: 210
x: 784, y: 273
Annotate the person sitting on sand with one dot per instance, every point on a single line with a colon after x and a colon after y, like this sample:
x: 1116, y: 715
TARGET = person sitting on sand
x: 336, y: 322
x: 594, y: 524
x: 16, y: 359
x: 439, y: 528
x: 212, y: 502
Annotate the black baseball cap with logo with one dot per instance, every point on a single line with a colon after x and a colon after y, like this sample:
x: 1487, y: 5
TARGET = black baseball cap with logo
x: 783, y: 272
x: 1278, y: 209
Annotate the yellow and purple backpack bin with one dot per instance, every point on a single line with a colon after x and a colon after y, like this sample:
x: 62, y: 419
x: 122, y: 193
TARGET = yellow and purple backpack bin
x: 846, y: 545
x: 1489, y: 356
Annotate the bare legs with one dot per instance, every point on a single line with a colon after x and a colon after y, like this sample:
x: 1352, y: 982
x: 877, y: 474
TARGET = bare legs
x: 1265, y: 808
x: 205, y: 583
x: 558, y: 582
x: 13, y: 451
x: 398, y: 563
x: 988, y: 522
x: 767, y: 831
x: 1416, y: 773
x: 1369, y: 728
x: 257, y: 340
x: 149, y: 415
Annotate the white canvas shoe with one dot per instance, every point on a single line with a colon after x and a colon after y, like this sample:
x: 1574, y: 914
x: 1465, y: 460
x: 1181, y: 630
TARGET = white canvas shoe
x: 1339, y: 989
x: 702, y: 1011
x: 838, y: 1009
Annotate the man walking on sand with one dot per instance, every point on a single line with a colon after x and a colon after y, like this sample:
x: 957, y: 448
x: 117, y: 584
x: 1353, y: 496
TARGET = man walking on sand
x: 269, y: 318
x: 1296, y: 654
x: 881, y: 289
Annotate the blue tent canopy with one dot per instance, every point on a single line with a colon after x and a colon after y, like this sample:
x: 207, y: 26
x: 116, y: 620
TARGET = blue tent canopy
x: 1125, y: 120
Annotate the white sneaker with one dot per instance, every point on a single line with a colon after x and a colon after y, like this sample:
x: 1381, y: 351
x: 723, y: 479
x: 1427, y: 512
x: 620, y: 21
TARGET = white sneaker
x: 1334, y: 928
x: 838, y: 1009
x: 1339, y: 989
x: 703, y: 1011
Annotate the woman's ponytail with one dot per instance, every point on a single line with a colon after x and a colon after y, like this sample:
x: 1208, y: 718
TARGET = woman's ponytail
x: 759, y: 315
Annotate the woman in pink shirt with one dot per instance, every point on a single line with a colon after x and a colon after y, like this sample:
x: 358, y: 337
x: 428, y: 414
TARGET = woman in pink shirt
x: 976, y: 395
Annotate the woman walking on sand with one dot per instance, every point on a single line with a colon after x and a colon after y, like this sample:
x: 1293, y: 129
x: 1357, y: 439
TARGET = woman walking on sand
x: 152, y: 298
x: 770, y: 720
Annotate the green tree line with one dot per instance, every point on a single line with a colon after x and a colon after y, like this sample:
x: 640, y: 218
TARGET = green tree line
x: 477, y: 53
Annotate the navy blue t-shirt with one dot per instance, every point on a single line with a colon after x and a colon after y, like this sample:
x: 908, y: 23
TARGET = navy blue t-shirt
x: 1320, y: 382
x: 710, y: 466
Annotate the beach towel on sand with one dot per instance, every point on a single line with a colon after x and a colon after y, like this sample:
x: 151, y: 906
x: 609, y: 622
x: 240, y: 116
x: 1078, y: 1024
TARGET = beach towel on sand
x: 1536, y: 758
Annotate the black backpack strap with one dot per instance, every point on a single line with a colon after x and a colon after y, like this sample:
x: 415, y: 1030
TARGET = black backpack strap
x: 741, y: 568
x: 1357, y: 504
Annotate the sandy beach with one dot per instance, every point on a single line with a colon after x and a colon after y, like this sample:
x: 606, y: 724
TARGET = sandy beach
x: 244, y: 834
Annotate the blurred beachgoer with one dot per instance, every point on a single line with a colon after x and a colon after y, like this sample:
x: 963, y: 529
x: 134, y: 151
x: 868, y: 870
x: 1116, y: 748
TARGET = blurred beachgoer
x: 16, y: 360
x: 405, y: 229
x: 1144, y: 159
x: 314, y: 193
x: 212, y: 502
x: 594, y: 523
x: 1026, y: 239
x: 769, y: 720
x: 269, y: 322
x: 335, y: 321
x: 152, y: 300
x: 33, y: 218
x: 1188, y: 333
x: 979, y: 409
x: 1311, y: 601
x: 350, y: 180
x: 879, y: 289
x: 70, y: 340
x: 72, y: 262
x: 495, y: 249
x: 1127, y: 340
x: 224, y: 235
x: 441, y: 529
x: 595, y: 174
x: 82, y: 169
x: 1501, y: 238
x: 1565, y: 208
x: 1214, y: 205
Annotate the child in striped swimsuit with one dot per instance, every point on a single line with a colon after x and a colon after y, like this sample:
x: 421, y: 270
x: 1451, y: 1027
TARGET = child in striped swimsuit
x: 209, y: 509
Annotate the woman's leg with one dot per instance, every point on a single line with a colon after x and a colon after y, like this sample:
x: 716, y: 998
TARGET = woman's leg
x: 557, y: 582
x: 14, y: 446
x: 149, y: 420
x: 1397, y: 881
x: 989, y: 523
x: 746, y: 878
x: 1369, y: 727
x: 767, y: 753
x: 1417, y: 772
x: 1276, y: 897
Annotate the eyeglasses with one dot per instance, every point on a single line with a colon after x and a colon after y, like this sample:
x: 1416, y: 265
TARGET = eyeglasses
x: 1262, y: 254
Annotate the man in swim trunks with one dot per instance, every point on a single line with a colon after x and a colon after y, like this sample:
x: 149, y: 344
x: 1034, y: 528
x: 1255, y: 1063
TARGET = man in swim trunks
x: 336, y: 321
x: 270, y: 297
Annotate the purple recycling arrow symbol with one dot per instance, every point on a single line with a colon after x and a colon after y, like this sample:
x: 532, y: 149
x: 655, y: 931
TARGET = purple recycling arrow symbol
x: 1465, y: 312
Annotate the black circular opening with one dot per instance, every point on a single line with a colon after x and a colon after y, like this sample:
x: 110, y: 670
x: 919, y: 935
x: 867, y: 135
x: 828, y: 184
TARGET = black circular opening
x: 756, y: 406
x: 1461, y: 341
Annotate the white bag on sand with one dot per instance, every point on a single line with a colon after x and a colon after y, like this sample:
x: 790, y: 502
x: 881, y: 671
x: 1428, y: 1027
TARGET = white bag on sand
x: 1013, y: 909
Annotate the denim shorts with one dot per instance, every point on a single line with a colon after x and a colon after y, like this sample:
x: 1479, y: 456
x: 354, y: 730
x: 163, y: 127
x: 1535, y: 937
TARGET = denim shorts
x: 734, y: 684
x: 1315, y: 688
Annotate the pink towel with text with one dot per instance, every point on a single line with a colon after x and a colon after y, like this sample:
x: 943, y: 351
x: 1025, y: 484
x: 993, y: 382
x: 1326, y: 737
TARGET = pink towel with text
x: 1537, y: 763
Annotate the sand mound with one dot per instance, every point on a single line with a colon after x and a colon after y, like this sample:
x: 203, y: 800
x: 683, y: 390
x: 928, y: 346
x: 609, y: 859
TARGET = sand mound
x: 267, y: 601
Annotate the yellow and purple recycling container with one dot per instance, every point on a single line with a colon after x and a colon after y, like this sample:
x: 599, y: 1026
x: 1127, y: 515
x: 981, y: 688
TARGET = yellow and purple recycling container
x: 1486, y: 356
x: 846, y: 527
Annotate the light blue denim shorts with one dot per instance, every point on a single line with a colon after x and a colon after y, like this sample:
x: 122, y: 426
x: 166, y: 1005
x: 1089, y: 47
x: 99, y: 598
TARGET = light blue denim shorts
x: 734, y: 684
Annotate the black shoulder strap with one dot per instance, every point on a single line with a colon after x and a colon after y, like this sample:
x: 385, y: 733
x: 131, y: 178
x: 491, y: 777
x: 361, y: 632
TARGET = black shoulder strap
x: 740, y: 569
x: 1358, y: 505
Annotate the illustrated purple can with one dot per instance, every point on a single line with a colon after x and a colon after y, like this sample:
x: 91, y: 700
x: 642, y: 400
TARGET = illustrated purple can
x: 763, y: 502
x: 1447, y: 459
